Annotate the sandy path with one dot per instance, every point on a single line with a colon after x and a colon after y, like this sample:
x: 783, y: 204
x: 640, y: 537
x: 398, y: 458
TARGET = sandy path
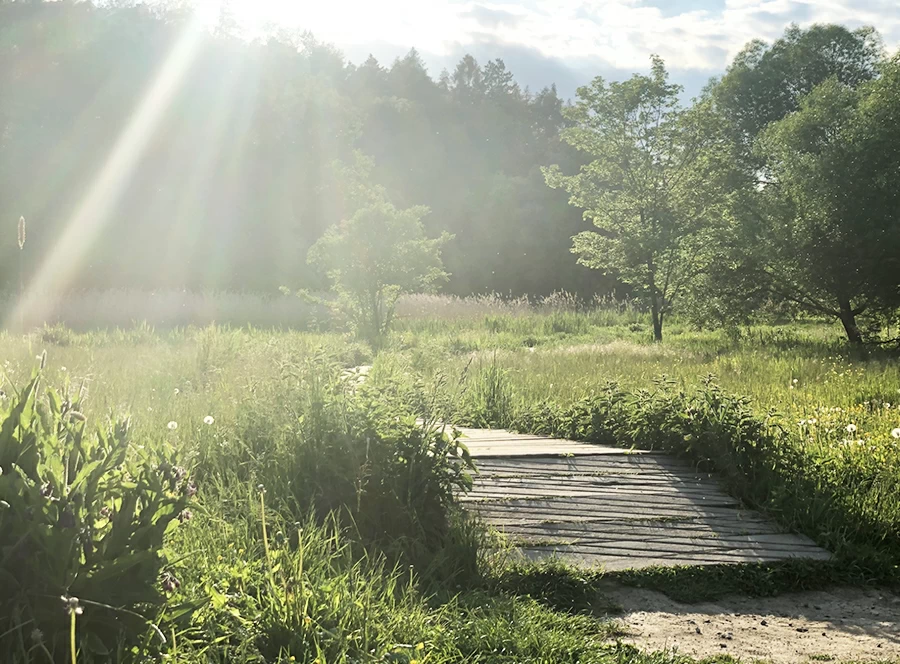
x: 838, y: 625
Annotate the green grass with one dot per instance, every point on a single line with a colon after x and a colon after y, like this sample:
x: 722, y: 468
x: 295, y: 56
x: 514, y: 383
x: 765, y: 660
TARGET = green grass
x: 380, y: 582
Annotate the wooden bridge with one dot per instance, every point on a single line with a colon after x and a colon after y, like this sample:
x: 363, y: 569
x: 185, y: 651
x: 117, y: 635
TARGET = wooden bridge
x: 622, y: 509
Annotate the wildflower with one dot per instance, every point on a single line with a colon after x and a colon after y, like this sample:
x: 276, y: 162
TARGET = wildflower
x: 208, y: 419
x: 801, y: 423
x: 170, y: 583
x: 71, y: 605
x: 896, y: 432
x: 795, y: 381
x: 185, y: 515
x: 172, y: 425
x: 37, y: 636
x: 851, y: 428
x: 812, y: 420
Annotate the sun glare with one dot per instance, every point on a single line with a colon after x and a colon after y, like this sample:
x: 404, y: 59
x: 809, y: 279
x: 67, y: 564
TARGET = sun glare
x: 93, y: 211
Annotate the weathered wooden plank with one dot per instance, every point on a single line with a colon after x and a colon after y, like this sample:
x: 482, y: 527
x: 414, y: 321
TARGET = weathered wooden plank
x: 690, y: 528
x: 618, y: 563
x: 608, y: 479
x: 600, y: 489
x: 598, y: 501
x: 594, y: 543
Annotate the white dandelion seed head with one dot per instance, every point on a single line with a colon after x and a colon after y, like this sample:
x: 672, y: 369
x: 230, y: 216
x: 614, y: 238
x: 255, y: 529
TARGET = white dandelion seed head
x: 795, y: 381
x: 851, y: 428
x: 208, y: 419
x: 896, y: 432
x: 172, y: 425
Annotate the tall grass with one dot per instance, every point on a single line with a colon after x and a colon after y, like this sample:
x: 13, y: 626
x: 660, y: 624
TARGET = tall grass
x: 110, y: 309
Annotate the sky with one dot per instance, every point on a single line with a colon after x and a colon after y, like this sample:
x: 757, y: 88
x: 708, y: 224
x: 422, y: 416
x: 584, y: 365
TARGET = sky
x: 566, y: 42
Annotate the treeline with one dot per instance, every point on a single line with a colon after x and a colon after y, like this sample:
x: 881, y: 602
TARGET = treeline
x: 195, y: 159
x: 239, y: 177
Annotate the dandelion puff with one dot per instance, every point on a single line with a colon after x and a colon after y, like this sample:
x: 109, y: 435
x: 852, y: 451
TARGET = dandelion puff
x: 208, y: 419
x: 172, y: 425
x: 795, y: 381
x: 851, y: 428
x: 896, y: 432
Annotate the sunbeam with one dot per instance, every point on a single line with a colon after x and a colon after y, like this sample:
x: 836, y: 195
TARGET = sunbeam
x: 93, y: 211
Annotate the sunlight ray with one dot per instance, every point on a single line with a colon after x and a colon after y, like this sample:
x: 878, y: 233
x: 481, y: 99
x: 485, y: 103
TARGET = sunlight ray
x: 93, y: 211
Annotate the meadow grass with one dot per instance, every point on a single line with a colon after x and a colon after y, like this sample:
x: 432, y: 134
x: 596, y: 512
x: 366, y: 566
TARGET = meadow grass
x: 365, y: 557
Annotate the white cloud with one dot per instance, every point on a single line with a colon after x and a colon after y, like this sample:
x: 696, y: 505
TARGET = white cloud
x: 612, y: 34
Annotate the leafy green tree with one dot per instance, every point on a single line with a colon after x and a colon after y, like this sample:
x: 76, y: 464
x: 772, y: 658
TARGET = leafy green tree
x: 373, y: 257
x: 766, y: 82
x: 830, y: 235
x: 649, y: 187
x: 810, y: 215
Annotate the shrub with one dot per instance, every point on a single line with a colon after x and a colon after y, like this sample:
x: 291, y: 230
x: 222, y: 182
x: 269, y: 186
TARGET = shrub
x: 375, y: 256
x: 82, y: 516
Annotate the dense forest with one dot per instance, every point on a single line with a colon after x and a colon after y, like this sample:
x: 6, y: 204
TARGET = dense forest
x: 160, y: 155
x: 241, y: 174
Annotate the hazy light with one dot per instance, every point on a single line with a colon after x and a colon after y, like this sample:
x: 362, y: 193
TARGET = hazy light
x: 92, y: 212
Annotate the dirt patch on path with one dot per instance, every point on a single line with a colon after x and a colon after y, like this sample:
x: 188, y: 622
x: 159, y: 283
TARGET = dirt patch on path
x: 838, y: 625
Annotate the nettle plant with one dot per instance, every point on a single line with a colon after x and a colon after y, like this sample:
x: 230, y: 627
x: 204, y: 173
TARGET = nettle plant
x: 83, y: 516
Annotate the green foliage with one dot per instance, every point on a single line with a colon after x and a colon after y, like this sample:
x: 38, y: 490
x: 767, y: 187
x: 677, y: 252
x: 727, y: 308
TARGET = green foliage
x: 833, y: 232
x: 766, y: 82
x: 375, y: 256
x: 650, y: 187
x: 82, y: 514
x: 816, y: 225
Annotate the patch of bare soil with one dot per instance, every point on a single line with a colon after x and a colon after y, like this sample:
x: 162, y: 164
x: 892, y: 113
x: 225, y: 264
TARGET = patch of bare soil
x: 840, y: 625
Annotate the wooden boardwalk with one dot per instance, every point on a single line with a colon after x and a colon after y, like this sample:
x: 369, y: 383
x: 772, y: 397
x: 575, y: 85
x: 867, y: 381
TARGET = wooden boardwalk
x: 600, y: 505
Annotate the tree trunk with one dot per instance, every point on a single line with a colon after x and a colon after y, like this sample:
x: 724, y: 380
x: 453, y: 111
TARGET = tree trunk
x: 655, y: 313
x: 657, y: 321
x: 848, y: 319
